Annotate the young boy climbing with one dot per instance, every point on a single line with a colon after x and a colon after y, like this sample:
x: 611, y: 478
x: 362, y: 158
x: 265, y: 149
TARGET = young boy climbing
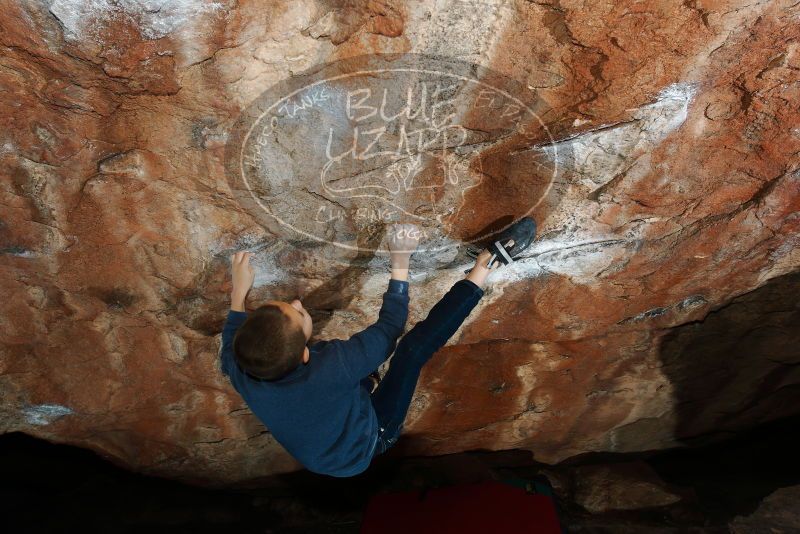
x: 315, y: 398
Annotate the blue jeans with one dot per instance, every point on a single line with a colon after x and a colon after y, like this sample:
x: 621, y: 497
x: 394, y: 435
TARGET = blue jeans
x: 393, y: 396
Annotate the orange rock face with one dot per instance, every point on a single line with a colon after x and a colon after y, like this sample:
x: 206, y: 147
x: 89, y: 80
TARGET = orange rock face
x: 658, y: 148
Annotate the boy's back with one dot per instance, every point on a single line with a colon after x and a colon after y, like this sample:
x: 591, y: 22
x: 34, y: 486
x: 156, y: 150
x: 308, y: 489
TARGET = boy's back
x: 319, y: 412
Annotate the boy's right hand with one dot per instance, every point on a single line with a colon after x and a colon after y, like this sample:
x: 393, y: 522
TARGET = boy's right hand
x: 243, y: 277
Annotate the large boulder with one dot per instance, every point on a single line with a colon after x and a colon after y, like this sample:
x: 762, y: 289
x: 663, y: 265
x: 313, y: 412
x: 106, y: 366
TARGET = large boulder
x: 776, y: 514
x: 658, y: 306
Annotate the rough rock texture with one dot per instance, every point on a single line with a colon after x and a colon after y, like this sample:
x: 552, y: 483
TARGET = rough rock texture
x: 636, y: 322
x: 628, y: 486
x: 777, y: 514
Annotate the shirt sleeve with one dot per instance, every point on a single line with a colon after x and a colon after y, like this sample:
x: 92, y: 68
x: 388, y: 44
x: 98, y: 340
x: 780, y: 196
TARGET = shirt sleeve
x: 232, y: 324
x: 365, y: 351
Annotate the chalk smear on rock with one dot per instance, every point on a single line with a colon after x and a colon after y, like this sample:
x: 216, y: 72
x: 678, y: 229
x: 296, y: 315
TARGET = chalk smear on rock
x: 154, y: 18
x: 44, y: 414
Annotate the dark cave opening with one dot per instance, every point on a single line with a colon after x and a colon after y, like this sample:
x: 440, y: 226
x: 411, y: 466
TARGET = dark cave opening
x: 56, y: 488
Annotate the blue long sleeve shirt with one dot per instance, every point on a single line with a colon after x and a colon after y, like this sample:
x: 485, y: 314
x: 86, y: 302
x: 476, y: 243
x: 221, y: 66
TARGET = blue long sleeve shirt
x: 319, y: 412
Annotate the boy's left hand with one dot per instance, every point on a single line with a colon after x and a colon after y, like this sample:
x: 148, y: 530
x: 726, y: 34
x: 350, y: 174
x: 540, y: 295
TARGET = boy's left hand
x: 243, y: 277
x: 403, y: 239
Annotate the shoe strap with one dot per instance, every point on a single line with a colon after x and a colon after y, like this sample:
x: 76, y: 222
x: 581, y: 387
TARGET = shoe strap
x: 503, y: 252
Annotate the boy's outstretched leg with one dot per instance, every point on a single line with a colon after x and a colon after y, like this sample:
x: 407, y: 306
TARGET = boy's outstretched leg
x: 393, y: 396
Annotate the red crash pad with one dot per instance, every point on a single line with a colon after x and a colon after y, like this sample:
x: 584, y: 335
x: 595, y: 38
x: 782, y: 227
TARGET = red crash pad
x: 487, y: 507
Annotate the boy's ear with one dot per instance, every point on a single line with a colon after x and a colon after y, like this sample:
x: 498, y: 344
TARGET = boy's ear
x: 306, y: 355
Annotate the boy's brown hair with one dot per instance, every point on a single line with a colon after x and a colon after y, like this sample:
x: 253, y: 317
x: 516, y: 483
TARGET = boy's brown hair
x: 269, y: 345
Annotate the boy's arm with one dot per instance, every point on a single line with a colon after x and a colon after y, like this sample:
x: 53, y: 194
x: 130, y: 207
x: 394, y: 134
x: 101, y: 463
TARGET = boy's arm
x: 366, y: 351
x: 232, y: 324
x: 243, y: 276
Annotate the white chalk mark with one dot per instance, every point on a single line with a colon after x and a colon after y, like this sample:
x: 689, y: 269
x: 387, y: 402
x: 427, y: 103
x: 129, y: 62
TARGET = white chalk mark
x: 600, y: 154
x: 82, y: 19
x: 44, y: 414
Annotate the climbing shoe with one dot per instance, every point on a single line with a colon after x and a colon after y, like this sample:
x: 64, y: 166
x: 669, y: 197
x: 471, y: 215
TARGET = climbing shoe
x: 509, y: 244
